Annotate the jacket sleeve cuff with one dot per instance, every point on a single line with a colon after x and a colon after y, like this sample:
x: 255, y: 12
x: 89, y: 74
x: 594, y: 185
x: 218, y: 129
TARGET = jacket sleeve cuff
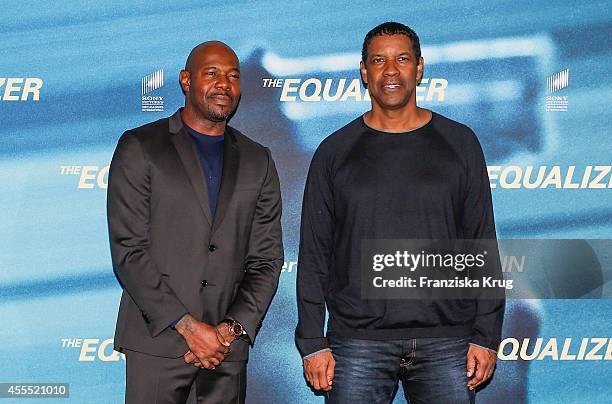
x: 157, y: 322
x: 175, y: 322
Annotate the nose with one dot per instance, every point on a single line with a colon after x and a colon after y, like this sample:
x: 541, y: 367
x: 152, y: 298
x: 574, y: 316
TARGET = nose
x: 223, y: 83
x: 390, y: 69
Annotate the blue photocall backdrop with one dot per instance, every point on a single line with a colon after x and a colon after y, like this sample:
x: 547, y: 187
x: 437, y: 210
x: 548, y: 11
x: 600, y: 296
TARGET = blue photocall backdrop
x: 531, y: 79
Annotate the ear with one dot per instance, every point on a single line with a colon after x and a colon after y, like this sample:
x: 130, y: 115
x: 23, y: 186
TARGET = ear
x: 364, y: 72
x: 420, y: 69
x: 185, y: 79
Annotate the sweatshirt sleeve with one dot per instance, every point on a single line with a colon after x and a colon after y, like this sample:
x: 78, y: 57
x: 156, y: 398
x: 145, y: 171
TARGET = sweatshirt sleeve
x: 478, y: 223
x: 314, y: 260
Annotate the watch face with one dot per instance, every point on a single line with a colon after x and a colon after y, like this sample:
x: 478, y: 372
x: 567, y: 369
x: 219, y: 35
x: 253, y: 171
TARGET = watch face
x: 237, y: 329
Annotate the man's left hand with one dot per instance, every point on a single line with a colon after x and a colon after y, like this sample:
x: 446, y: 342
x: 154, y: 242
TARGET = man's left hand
x: 223, y: 333
x: 480, y: 365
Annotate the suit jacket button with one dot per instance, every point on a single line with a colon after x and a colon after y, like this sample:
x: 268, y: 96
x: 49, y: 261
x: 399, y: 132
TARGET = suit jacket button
x: 204, y: 283
x: 212, y: 247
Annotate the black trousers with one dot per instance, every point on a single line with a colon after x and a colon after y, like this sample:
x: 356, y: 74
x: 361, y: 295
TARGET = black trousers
x: 153, y: 379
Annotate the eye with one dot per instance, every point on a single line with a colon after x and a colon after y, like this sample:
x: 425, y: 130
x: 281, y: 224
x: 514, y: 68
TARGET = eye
x: 402, y: 59
x: 377, y: 60
x: 235, y: 76
x: 210, y: 73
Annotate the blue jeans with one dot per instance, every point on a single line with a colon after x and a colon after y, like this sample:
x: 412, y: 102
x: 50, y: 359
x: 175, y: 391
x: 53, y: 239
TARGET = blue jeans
x: 432, y: 370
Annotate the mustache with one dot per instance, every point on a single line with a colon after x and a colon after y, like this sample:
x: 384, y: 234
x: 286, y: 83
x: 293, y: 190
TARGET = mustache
x: 222, y: 93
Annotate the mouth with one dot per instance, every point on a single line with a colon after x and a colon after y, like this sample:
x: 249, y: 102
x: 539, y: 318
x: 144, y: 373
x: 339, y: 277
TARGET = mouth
x: 391, y: 86
x: 221, y: 99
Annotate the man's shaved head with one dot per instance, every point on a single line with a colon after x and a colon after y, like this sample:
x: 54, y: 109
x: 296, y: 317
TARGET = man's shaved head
x: 211, y: 84
x: 190, y: 64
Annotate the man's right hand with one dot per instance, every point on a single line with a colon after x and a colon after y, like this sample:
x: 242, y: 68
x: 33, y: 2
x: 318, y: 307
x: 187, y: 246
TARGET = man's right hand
x: 204, y: 342
x: 319, y: 370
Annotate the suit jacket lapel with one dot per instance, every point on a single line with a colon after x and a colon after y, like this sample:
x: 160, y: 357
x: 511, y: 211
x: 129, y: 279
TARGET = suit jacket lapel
x: 189, y: 157
x: 231, y: 155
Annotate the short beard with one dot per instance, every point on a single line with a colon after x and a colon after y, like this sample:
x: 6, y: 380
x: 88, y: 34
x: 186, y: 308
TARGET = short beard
x: 217, y: 116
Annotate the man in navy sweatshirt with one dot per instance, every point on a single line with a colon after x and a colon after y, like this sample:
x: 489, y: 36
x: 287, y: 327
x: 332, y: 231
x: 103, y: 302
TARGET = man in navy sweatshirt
x: 397, y: 172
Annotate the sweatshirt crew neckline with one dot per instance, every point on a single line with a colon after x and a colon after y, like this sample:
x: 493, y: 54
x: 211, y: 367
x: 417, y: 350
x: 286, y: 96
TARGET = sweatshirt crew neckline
x: 411, y: 132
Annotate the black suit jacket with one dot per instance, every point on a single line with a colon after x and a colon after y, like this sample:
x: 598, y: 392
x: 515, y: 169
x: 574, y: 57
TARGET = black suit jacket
x: 168, y: 253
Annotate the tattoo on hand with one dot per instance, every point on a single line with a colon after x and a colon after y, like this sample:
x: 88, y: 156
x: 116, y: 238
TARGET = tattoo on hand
x: 186, y: 322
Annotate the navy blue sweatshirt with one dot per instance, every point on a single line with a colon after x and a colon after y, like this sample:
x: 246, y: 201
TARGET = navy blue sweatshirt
x: 429, y: 183
x: 210, y: 154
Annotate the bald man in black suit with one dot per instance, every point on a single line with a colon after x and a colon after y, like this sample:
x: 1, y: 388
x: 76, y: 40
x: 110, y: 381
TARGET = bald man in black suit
x: 194, y: 210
